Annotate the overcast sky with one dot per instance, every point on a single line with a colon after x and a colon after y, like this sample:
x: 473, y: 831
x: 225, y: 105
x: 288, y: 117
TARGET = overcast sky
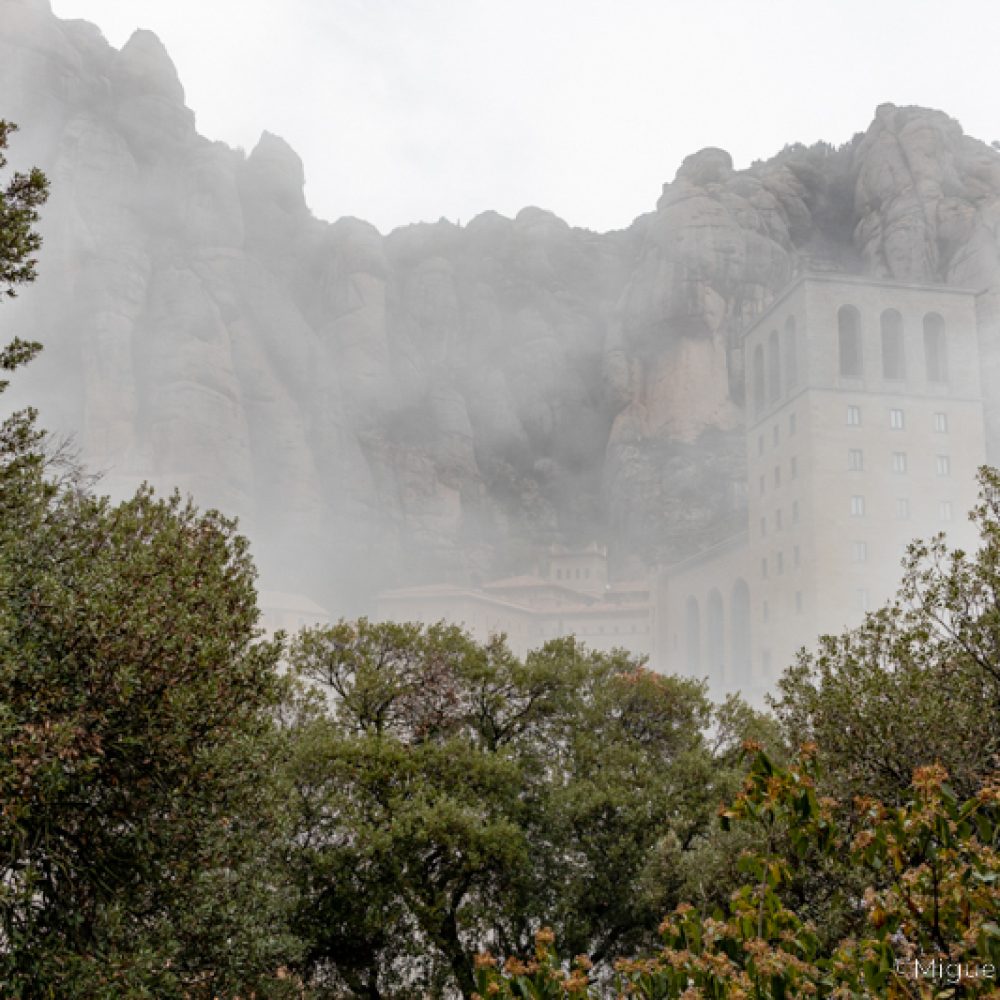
x: 408, y: 110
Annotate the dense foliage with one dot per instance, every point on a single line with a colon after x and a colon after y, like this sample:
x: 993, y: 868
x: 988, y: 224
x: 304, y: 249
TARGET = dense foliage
x: 454, y: 794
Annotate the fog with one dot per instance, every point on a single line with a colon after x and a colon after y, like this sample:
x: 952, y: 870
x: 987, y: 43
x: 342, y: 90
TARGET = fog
x: 553, y: 426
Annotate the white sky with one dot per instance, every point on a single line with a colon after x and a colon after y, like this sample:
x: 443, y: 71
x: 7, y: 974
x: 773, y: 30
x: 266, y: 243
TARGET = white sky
x: 409, y: 110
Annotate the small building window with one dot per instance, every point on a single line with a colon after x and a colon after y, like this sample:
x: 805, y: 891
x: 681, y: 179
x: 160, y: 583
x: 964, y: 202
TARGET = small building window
x: 762, y: 485
x: 798, y: 602
x: 763, y: 568
x: 794, y: 467
x: 777, y: 520
x: 855, y: 460
x: 795, y: 511
x: 760, y: 444
x: 945, y: 510
x: 899, y: 461
x: 893, y: 358
x: 902, y: 508
x: 775, y: 435
x: 942, y: 465
x: 853, y: 416
x: 777, y: 475
x: 764, y: 611
x: 859, y: 552
x: 857, y: 506
x: 897, y: 420
x: 861, y: 599
x: 763, y: 527
x: 796, y: 557
x: 780, y: 562
x: 941, y: 423
x: 849, y: 341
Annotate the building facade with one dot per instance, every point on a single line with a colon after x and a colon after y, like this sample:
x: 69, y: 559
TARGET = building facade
x: 864, y: 431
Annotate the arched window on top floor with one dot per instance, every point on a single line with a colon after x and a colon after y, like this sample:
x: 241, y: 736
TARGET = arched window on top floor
x: 935, y: 348
x: 791, y: 355
x: 849, y: 341
x: 893, y: 351
x: 773, y: 367
x: 758, y: 379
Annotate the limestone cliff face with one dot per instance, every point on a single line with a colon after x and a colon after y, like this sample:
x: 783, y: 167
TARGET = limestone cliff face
x: 438, y: 401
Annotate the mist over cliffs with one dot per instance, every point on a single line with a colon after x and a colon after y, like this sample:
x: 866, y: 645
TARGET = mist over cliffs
x: 439, y: 401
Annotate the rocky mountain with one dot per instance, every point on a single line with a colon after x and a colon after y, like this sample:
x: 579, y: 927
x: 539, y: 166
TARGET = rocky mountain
x: 438, y: 401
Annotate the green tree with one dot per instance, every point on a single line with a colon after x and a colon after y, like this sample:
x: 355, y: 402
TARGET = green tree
x: 930, y: 929
x: 917, y: 682
x: 137, y: 729
x: 453, y: 796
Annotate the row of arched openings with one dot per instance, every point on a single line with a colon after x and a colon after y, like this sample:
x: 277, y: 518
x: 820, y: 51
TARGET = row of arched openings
x: 714, y: 648
x: 893, y: 343
x: 775, y: 373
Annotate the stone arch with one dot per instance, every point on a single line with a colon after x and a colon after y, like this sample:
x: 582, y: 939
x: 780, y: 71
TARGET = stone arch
x: 758, y: 379
x: 692, y: 630
x: 935, y: 348
x: 773, y: 367
x: 893, y: 349
x: 715, y: 634
x: 849, y: 342
x: 740, y: 631
x: 791, y: 354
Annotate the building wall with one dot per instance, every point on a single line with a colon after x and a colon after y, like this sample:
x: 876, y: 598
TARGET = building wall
x: 845, y: 467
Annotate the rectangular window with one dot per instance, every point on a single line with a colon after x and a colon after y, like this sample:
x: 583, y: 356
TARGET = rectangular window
x: 777, y: 475
x: 795, y: 512
x: 856, y: 460
x: 763, y: 527
x: 763, y: 568
x: 791, y: 423
x: 795, y: 467
x: 942, y: 465
x: 941, y: 423
x: 796, y: 556
x: 764, y: 611
x: 777, y: 520
x: 780, y: 563
x: 859, y: 552
x: 762, y: 485
x: 760, y: 444
x: 899, y: 461
x: 861, y: 599
x: 853, y: 416
x: 896, y: 420
x: 798, y: 602
x: 945, y: 510
x: 776, y: 435
x: 857, y: 506
x: 902, y: 509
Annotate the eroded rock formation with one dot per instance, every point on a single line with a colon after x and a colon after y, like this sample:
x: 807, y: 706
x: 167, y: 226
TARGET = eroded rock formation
x: 438, y: 401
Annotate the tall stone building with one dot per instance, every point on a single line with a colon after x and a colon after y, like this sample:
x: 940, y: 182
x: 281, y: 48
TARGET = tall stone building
x: 864, y: 430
